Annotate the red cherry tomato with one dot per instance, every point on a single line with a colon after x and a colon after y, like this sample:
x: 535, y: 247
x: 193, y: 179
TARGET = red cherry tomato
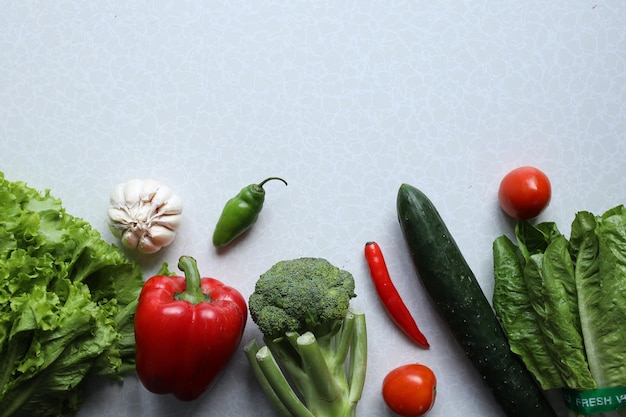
x: 410, y: 390
x: 524, y: 193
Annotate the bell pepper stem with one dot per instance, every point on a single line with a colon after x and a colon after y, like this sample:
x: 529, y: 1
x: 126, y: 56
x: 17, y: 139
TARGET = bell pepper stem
x: 193, y: 288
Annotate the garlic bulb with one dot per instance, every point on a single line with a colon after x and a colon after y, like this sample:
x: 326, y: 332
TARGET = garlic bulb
x: 144, y: 215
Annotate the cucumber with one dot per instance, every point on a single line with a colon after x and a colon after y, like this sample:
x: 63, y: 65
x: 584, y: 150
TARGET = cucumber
x: 460, y: 301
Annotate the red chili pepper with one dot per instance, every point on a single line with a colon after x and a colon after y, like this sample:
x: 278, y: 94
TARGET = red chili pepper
x: 389, y: 295
x: 186, y: 331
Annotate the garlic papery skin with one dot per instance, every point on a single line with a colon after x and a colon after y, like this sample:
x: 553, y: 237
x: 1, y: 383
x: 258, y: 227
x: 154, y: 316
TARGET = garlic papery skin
x: 144, y: 215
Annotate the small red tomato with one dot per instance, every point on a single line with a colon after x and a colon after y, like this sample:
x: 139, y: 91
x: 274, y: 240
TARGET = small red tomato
x: 524, y: 193
x: 410, y: 390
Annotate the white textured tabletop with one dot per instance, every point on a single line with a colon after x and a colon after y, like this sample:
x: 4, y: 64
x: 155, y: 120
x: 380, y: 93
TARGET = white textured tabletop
x: 346, y: 101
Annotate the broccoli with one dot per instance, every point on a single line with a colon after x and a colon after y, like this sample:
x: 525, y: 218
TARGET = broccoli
x: 314, y: 359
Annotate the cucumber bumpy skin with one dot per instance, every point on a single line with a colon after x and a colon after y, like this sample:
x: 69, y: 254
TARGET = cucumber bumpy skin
x: 452, y: 286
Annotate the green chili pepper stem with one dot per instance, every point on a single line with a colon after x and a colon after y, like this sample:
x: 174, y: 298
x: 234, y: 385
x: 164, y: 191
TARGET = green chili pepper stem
x: 193, y: 288
x: 269, y: 179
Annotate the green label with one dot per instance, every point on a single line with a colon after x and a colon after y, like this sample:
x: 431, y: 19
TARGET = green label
x: 595, y: 401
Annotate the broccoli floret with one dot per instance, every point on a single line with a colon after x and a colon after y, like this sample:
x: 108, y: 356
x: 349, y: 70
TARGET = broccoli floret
x: 300, y: 295
x: 315, y: 356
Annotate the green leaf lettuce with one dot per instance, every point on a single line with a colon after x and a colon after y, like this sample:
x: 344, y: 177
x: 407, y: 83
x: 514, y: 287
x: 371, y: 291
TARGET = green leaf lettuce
x: 67, y: 302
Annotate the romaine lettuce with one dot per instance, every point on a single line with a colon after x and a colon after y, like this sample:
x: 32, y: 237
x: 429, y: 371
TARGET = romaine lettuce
x: 562, y: 302
x: 67, y: 302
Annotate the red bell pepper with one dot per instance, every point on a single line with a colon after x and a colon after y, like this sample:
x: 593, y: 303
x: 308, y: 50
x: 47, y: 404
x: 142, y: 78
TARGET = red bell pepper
x: 186, y: 331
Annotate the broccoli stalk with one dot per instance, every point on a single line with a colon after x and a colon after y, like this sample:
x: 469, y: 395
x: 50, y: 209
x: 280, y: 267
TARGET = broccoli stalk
x: 317, y: 369
x: 315, y: 355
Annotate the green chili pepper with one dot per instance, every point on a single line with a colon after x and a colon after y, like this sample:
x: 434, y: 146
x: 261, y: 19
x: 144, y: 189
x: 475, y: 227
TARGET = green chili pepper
x: 240, y: 213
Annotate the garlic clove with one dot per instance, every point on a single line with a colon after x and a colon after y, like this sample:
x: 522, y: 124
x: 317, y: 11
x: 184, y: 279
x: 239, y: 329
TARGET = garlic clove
x: 117, y: 215
x: 160, y: 235
x: 132, y: 191
x: 171, y: 221
x: 130, y: 239
x: 173, y: 205
x: 160, y: 196
x: 117, y: 229
x: 147, y: 246
x: 117, y: 198
x: 148, y: 190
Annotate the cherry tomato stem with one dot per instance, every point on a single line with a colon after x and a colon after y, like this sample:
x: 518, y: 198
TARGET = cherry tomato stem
x: 389, y: 295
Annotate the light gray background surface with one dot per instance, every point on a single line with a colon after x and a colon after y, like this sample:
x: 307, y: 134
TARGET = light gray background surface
x: 346, y: 101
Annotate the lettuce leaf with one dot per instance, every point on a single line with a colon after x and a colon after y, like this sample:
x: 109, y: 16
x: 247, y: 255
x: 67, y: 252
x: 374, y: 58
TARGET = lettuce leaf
x: 67, y: 303
x: 511, y: 301
x: 600, y: 249
x: 552, y: 293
